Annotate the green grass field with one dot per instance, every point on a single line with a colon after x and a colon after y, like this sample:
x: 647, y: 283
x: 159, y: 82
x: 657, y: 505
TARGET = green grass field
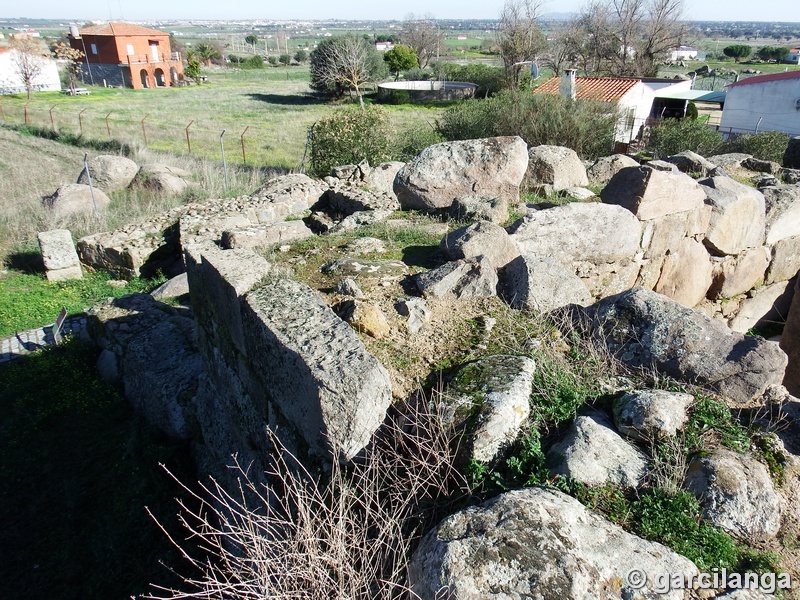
x: 271, y: 109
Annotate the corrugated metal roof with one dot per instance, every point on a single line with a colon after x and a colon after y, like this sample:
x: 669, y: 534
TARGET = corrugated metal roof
x: 604, y: 89
x: 766, y: 78
x: 120, y: 29
x: 698, y: 95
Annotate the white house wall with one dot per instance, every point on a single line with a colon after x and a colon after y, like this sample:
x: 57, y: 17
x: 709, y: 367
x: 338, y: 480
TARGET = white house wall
x: 773, y: 102
x: 639, y: 101
x: 48, y: 79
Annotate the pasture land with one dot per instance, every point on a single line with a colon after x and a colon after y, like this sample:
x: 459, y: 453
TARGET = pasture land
x: 268, y: 110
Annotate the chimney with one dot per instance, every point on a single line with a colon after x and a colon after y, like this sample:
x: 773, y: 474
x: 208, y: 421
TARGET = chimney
x: 74, y: 33
x: 568, y: 87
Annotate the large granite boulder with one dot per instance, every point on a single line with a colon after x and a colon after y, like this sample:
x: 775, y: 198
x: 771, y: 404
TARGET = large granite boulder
x: 737, y: 494
x: 649, y: 415
x: 734, y: 275
x: 645, y: 329
x: 649, y: 193
x: 790, y: 343
x: 737, y: 216
x: 783, y: 212
x: 480, y: 239
x: 578, y: 231
x: 686, y: 274
x: 606, y: 167
x: 537, y: 543
x: 314, y: 368
x: 492, y: 167
x: 110, y: 173
x: 691, y: 162
x: 791, y: 157
x: 76, y: 199
x: 541, y: 283
x: 466, y: 278
x: 593, y: 453
x: 554, y: 168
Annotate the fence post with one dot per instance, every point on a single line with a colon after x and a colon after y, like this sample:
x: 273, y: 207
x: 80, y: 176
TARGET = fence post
x: 108, y: 127
x: 27, y: 120
x: 224, y: 164
x: 52, y: 120
x: 188, y: 141
x: 244, y: 153
x: 3, y: 113
x: 80, y: 120
x: 89, y: 177
x: 144, y: 129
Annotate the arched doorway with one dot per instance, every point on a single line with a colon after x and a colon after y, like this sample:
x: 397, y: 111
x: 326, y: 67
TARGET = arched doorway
x: 173, y: 76
x: 160, y: 79
x: 145, y: 79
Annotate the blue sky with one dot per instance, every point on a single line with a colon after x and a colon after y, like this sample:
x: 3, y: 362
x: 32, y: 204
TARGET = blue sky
x: 727, y: 10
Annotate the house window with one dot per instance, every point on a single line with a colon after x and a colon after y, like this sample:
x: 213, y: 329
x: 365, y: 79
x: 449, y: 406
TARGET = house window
x: 94, y: 48
x: 130, y: 50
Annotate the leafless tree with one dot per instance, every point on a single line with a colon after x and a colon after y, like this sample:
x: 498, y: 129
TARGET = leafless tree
x: 518, y: 36
x: 423, y: 35
x: 28, y: 61
x: 563, y: 50
x: 346, y: 62
x: 627, y: 37
x: 74, y: 57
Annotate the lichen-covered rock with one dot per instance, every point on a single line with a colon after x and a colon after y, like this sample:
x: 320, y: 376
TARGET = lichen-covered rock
x: 167, y: 184
x: 735, y: 275
x: 480, y: 239
x: 645, y: 329
x: 496, y: 392
x: 492, y: 167
x: 110, y: 173
x: 365, y: 268
x: 554, y: 168
x: 593, y: 453
x: 578, y: 231
x: 737, y: 217
x: 785, y: 261
x: 466, y: 278
x: 649, y: 193
x: 542, y: 284
x: 649, y: 415
x: 174, y: 288
x: 346, y: 200
x: 606, y: 167
x: 537, y: 543
x: 790, y: 343
x: 736, y: 494
x: 255, y: 236
x: 691, y: 162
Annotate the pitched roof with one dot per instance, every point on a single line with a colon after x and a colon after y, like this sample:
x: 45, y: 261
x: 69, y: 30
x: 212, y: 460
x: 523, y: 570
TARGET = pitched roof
x: 120, y: 29
x: 604, y: 89
x: 768, y: 77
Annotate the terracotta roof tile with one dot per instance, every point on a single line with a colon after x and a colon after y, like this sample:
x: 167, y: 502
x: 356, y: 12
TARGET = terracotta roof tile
x: 120, y: 29
x: 768, y: 77
x: 604, y: 89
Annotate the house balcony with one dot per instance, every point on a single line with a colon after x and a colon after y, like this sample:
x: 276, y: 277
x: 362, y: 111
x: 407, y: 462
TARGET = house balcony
x: 149, y: 59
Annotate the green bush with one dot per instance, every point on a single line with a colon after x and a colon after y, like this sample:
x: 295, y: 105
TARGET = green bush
x: 349, y: 136
x: 254, y: 62
x: 583, y: 125
x: 671, y: 136
x: 488, y: 79
x: 414, y: 139
x: 400, y: 97
x: 767, y: 145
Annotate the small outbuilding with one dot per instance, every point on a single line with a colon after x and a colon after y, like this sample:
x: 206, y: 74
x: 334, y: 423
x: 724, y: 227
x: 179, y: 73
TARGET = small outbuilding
x: 763, y: 103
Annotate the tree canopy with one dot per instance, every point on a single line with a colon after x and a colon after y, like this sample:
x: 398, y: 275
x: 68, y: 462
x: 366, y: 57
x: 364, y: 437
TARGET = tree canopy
x: 519, y: 37
x: 400, y: 58
x: 344, y: 63
x: 737, y: 51
x: 423, y: 35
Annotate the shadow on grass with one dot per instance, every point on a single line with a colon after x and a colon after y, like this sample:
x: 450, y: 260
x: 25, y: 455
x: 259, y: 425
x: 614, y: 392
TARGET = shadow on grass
x: 26, y: 261
x: 289, y: 99
x: 79, y: 467
x: 426, y: 257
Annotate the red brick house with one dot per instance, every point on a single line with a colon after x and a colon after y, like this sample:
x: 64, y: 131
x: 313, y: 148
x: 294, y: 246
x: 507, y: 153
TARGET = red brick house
x: 126, y: 55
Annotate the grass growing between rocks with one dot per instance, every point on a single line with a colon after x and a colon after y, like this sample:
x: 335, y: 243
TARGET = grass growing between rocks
x: 78, y: 469
x: 28, y: 301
